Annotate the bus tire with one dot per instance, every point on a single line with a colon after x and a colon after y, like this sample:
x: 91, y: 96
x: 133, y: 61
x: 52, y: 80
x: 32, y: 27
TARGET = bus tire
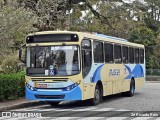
x: 56, y: 103
x: 130, y: 93
x: 97, y: 96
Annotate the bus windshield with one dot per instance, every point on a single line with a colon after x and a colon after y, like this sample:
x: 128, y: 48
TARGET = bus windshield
x: 63, y: 60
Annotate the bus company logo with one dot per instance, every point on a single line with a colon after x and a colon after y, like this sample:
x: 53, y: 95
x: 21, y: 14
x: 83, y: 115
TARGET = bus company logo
x: 114, y: 72
x: 6, y: 114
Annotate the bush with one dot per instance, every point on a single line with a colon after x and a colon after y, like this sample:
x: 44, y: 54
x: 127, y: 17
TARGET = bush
x: 12, y: 85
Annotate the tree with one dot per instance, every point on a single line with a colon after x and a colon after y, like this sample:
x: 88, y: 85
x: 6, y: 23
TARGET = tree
x: 145, y: 36
x: 156, y: 54
x: 15, y: 24
x: 104, y: 16
x: 148, y: 12
x: 51, y: 14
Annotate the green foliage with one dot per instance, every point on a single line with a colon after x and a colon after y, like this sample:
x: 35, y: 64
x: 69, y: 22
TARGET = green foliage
x: 156, y: 52
x: 51, y: 14
x: 136, y: 21
x: 15, y: 23
x: 12, y: 86
x: 10, y: 64
x: 143, y: 35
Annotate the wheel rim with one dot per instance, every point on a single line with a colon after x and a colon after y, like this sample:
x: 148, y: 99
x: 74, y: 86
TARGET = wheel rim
x: 132, y: 88
x: 97, y: 95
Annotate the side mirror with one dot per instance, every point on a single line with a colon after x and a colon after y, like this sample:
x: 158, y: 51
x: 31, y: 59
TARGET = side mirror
x: 22, y: 53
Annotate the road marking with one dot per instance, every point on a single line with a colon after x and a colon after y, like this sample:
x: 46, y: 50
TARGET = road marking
x: 40, y: 106
x: 158, y: 118
x: 13, y: 118
x: 123, y: 110
x: 86, y: 109
x: 68, y: 112
x: 25, y: 118
x: 117, y: 118
x: 140, y: 118
x: 65, y: 118
x: 92, y: 118
x: 78, y: 118
x: 105, y: 109
x: 50, y: 109
x: 39, y: 118
x: 61, y: 109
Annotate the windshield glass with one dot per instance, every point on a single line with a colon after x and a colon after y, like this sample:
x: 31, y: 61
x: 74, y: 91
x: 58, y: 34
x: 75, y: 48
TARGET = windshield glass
x: 55, y: 60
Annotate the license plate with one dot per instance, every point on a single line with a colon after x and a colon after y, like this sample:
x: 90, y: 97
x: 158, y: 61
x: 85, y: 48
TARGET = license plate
x: 41, y: 85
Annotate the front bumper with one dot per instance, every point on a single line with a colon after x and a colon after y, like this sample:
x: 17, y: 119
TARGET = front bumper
x: 74, y: 94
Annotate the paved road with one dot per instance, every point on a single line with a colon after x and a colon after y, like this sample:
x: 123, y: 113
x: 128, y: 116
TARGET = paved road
x: 146, y: 99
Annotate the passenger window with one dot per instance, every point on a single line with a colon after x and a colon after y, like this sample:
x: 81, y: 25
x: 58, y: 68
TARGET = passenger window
x: 108, y: 48
x: 86, y: 57
x: 125, y: 54
x: 141, y: 56
x: 131, y: 55
x: 137, y: 55
x: 117, y: 54
x: 98, y: 52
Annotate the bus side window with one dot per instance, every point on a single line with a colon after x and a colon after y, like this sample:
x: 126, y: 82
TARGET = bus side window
x: 108, y: 48
x: 131, y: 55
x: 98, y: 52
x: 86, y: 57
x: 125, y: 54
x: 137, y: 55
x: 141, y: 56
x: 117, y: 54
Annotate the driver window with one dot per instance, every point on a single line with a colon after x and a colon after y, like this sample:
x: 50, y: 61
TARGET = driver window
x: 86, y: 57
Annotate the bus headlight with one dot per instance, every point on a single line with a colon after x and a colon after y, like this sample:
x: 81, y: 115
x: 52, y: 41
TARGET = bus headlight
x: 72, y: 86
x: 30, y: 87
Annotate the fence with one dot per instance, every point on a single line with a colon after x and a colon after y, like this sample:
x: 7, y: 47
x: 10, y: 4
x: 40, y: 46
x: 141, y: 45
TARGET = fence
x: 153, y: 75
x: 153, y: 72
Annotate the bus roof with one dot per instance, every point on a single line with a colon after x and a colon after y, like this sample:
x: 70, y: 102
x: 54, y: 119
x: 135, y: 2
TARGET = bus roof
x: 114, y: 38
x: 92, y: 36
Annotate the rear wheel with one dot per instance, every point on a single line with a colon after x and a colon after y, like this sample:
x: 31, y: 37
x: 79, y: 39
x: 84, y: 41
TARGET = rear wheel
x: 54, y: 103
x: 97, y: 96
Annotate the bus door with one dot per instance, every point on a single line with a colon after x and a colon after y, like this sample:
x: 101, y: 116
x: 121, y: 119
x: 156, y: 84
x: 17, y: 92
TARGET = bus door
x: 86, y: 67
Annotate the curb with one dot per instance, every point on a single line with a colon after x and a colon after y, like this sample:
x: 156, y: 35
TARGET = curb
x: 22, y: 105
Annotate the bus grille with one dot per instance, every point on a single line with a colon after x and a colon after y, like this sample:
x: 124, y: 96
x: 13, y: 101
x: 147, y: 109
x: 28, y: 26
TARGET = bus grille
x: 50, y: 80
x: 49, y: 96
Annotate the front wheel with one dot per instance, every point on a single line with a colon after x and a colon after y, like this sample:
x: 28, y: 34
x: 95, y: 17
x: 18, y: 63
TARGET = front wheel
x: 97, y: 96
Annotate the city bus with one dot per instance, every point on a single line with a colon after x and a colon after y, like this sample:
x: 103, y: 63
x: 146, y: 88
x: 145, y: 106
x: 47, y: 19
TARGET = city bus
x: 66, y: 66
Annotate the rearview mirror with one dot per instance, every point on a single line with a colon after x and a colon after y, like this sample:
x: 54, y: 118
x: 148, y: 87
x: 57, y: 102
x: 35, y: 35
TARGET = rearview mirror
x: 22, y: 53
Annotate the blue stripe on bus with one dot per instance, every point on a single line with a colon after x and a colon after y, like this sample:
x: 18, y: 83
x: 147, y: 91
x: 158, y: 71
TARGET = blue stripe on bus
x: 136, y: 72
x: 97, y: 74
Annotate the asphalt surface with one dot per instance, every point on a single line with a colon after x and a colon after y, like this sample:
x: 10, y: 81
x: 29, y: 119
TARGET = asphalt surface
x: 147, y: 99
